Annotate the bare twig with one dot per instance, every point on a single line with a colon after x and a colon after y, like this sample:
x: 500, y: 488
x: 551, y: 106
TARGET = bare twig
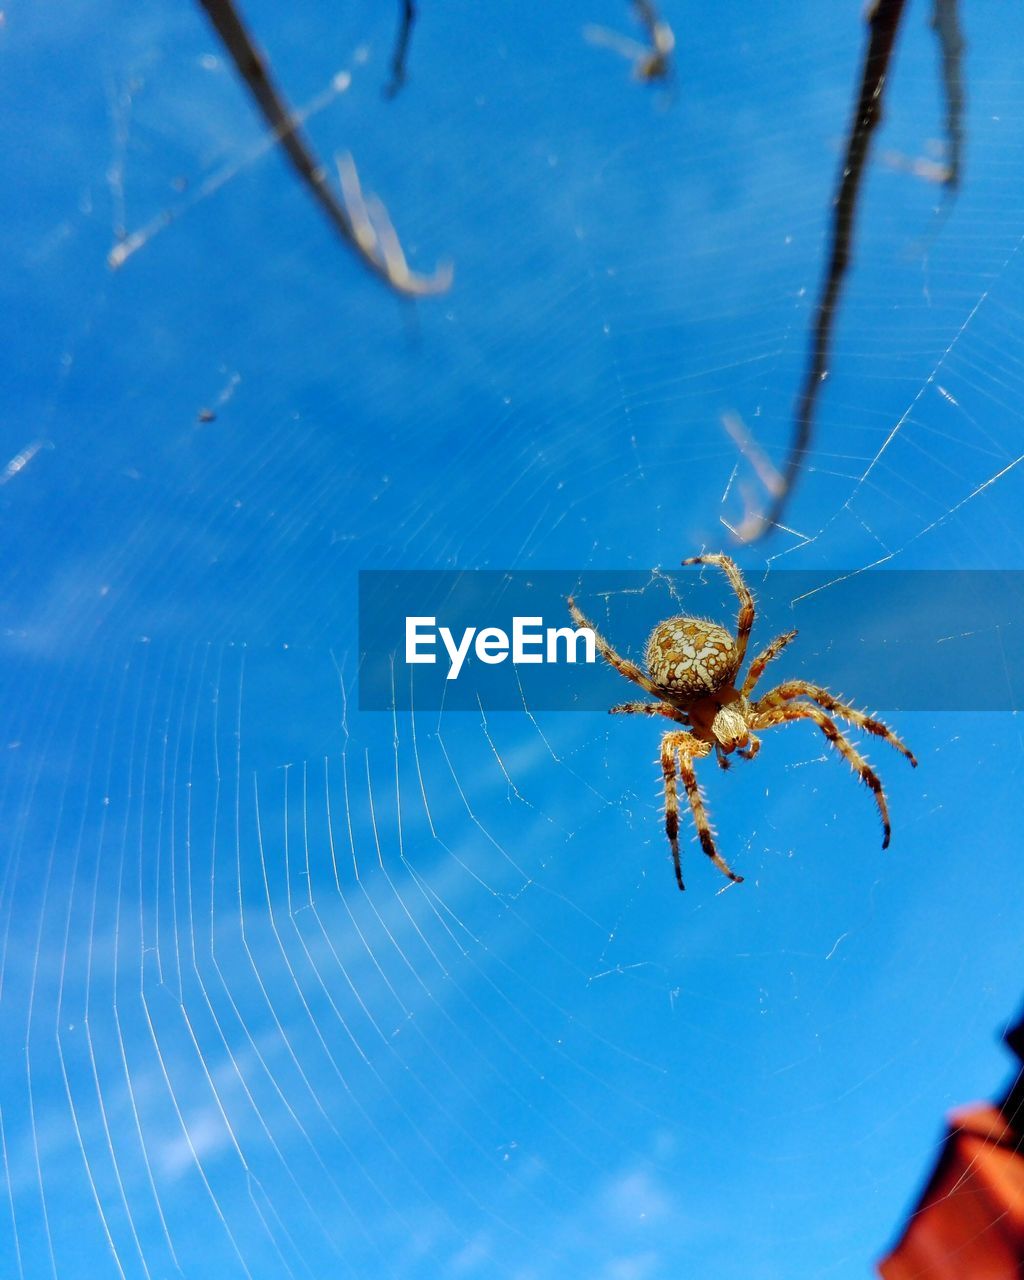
x: 657, y: 64
x: 389, y: 266
x: 936, y: 172
x: 762, y: 465
x: 751, y: 526
x: 401, y: 50
x: 651, y: 61
x: 946, y: 172
x: 946, y: 25
x: 883, y: 25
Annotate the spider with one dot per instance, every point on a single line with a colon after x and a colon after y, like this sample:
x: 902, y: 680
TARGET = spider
x: 694, y: 667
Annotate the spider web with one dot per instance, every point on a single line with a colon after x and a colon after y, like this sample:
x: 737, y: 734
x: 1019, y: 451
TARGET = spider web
x: 290, y: 990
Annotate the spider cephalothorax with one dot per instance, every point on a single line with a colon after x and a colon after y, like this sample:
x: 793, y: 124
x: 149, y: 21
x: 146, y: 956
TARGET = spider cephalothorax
x: 693, y: 668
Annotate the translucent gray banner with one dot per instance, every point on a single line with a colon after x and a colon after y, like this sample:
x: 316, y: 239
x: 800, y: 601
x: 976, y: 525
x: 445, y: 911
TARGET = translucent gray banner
x: 886, y: 640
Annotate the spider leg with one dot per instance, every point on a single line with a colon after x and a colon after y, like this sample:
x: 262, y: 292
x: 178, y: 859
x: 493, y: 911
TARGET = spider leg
x: 802, y: 689
x: 684, y: 746
x: 622, y: 665
x: 723, y: 759
x: 746, y: 615
x: 668, y: 768
x: 769, y: 654
x: 649, y: 709
x: 767, y: 717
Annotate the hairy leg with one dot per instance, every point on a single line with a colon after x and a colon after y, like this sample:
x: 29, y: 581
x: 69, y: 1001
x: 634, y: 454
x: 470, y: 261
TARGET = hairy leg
x: 622, y: 665
x: 766, y: 655
x: 746, y: 615
x: 685, y: 748
x: 668, y: 768
x: 807, y: 711
x: 649, y: 709
x: 802, y: 689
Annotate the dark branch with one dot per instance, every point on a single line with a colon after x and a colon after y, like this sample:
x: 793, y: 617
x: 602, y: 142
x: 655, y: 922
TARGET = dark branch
x: 369, y: 234
x: 656, y: 63
x: 401, y: 50
x: 883, y: 24
x: 946, y: 25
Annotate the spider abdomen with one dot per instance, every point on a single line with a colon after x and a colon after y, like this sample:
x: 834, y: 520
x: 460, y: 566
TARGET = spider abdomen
x: 691, y: 656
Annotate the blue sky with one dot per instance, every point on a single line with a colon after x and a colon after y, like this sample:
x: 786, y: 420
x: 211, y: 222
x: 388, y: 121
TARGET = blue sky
x: 292, y: 990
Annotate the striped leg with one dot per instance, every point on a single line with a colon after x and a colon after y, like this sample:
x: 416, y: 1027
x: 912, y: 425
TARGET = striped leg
x: 678, y: 750
x: 807, y: 711
x: 763, y: 658
x: 622, y: 665
x: 746, y: 615
x: 802, y: 689
x: 649, y: 709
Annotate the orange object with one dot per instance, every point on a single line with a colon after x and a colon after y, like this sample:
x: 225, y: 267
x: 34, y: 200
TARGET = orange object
x: 969, y: 1221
